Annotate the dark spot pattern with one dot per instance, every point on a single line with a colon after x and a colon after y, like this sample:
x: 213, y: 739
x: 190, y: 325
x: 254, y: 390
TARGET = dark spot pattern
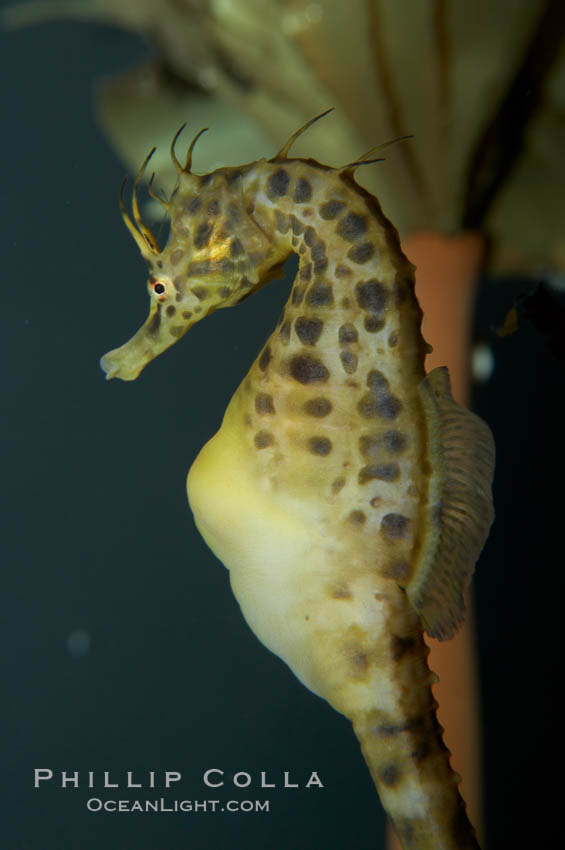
x: 390, y: 775
x: 186, y: 314
x: 263, y: 439
x: 393, y: 340
x: 388, y: 730
x: 305, y: 272
x: 155, y: 323
x: 277, y: 184
x: 282, y: 222
x: 348, y: 361
x: 318, y: 254
x: 372, y: 324
x: 213, y: 207
x: 308, y: 330
x: 171, y: 310
x: 380, y: 472
x: 302, y: 191
x: 320, y: 446
x: 395, y: 526
x: 318, y: 407
x: 338, y: 485
x: 310, y: 236
x: 370, y: 446
x: 347, y: 334
x: 177, y: 330
x: 264, y: 403
x: 320, y: 295
x: 284, y: 332
x: 394, y: 441
x: 341, y: 592
x: 200, y: 291
x: 379, y: 402
x: 331, y: 209
x: 370, y: 408
x: 265, y: 359
x: 361, y: 254
x: 371, y: 296
x: 357, y: 517
x: 193, y: 206
x: 308, y: 370
x: 342, y: 271
x: 203, y: 234
x: 297, y: 294
x: 297, y: 226
x: 352, y: 226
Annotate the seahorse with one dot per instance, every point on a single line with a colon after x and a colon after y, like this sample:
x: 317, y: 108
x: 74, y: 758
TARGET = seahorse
x: 346, y: 492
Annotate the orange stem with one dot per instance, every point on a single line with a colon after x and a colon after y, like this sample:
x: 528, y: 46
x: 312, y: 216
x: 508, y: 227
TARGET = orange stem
x: 447, y: 270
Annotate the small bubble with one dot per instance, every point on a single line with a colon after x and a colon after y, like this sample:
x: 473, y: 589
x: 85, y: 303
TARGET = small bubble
x: 79, y: 642
x: 482, y: 362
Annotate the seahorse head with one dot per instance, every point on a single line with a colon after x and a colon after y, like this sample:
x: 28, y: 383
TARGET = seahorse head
x: 216, y: 256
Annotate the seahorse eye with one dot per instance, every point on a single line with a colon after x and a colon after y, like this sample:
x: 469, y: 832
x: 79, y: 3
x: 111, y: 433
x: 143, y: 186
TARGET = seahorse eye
x: 160, y: 289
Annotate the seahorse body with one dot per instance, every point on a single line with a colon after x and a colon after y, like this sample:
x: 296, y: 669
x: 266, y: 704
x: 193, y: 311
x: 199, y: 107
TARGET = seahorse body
x: 346, y: 492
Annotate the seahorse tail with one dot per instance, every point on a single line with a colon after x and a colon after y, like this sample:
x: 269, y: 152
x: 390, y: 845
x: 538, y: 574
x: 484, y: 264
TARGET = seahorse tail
x: 410, y: 765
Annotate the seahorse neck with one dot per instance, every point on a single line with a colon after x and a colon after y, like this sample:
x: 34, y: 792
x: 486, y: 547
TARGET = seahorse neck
x: 353, y: 279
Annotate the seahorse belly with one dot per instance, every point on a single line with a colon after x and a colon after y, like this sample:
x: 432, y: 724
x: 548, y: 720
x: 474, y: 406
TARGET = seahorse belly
x: 315, y: 601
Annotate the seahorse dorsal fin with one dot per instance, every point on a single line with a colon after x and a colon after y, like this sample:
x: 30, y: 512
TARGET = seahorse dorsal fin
x: 460, y: 511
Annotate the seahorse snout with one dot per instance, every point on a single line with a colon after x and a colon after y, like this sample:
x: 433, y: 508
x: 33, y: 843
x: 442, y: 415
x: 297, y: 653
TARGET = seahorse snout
x: 115, y: 365
x: 157, y: 334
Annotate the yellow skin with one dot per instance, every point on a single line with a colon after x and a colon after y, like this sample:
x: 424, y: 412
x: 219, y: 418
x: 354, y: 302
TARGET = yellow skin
x: 346, y: 492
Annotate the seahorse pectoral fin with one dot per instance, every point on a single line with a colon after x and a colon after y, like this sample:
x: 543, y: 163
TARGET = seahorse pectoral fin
x: 460, y: 509
x: 153, y: 337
